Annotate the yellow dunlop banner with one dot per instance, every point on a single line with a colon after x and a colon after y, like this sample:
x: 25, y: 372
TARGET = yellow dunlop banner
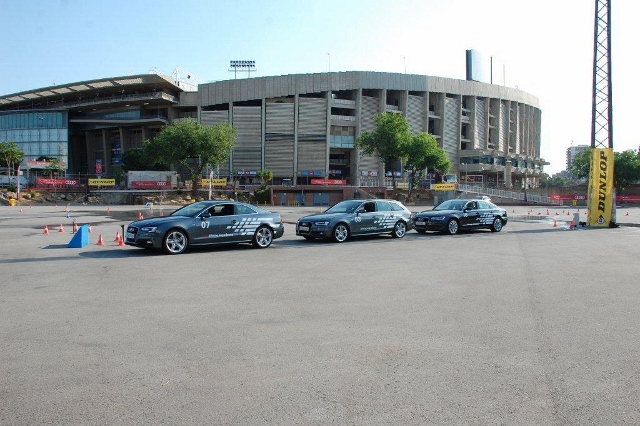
x: 214, y: 182
x: 102, y: 182
x: 443, y: 187
x: 601, y: 187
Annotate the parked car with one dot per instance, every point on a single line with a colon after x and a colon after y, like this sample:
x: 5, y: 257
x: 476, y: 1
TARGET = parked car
x: 351, y: 218
x: 206, y: 223
x: 452, y: 215
x: 483, y: 197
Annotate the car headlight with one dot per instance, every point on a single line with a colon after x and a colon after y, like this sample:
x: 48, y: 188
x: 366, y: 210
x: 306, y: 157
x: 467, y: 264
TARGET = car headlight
x: 149, y: 229
x: 325, y: 223
x: 437, y: 218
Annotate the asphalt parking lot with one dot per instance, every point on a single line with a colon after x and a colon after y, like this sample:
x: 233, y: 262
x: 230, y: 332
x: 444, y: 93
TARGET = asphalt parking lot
x: 535, y: 325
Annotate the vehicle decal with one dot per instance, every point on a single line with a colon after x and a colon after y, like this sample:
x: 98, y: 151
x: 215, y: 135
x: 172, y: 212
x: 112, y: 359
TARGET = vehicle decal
x: 386, y: 221
x: 246, y: 226
x: 485, y: 218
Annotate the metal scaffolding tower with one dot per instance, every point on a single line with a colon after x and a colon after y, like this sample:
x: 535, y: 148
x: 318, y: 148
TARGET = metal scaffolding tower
x: 602, y: 111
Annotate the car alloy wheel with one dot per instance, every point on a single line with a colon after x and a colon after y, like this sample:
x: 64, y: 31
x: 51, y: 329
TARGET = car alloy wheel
x: 175, y: 241
x: 497, y: 225
x: 263, y: 237
x: 399, y: 229
x: 340, y: 233
x: 452, y: 227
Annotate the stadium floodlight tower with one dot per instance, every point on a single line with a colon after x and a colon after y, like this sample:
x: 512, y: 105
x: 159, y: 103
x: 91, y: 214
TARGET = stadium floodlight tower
x: 242, y: 65
x: 601, y: 202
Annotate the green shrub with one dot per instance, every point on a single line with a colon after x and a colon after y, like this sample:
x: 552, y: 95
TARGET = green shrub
x: 262, y: 196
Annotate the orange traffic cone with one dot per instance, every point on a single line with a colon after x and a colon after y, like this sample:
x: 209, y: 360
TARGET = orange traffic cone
x: 108, y: 209
x: 547, y: 212
x: 100, y: 242
x: 46, y: 230
x: 161, y: 213
x: 572, y: 225
x: 75, y: 228
x: 120, y: 241
x: 140, y: 217
x: 118, y: 237
x: 89, y: 229
x: 20, y: 210
x: 61, y: 229
x: 555, y: 225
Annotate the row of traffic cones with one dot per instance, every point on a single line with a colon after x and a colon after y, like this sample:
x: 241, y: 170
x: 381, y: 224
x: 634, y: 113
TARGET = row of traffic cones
x: 119, y: 240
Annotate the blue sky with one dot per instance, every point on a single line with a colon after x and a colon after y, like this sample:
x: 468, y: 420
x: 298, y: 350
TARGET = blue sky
x: 544, y: 46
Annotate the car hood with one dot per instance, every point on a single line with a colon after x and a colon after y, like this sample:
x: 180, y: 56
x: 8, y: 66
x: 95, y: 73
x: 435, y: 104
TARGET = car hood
x: 431, y: 213
x: 323, y: 216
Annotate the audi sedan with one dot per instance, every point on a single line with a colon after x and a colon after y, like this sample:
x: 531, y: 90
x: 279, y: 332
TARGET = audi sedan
x: 351, y: 218
x: 452, y: 215
x: 206, y: 223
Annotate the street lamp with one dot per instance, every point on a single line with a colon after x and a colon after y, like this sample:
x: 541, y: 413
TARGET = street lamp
x: 242, y: 65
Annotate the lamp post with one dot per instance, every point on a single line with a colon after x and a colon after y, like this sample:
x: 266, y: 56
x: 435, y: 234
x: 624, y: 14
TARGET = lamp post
x: 242, y: 65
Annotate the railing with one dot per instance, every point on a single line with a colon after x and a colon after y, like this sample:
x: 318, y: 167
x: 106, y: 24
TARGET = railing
x: 343, y: 117
x: 343, y: 102
x: 96, y: 101
x: 501, y: 193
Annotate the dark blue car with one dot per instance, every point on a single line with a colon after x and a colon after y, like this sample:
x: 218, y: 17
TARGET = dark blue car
x: 452, y: 215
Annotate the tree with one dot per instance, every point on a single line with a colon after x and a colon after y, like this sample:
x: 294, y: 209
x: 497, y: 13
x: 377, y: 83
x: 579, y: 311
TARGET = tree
x: 422, y: 152
x: 265, y: 176
x: 581, y: 164
x: 10, y: 156
x: 626, y: 167
x: 388, y: 140
x: 54, y: 166
x: 135, y: 159
x: 189, y: 144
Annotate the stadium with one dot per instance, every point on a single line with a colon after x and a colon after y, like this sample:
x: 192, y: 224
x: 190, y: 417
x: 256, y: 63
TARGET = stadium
x: 302, y: 127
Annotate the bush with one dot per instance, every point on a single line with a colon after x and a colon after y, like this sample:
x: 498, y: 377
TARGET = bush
x: 262, y: 196
x: 12, y: 188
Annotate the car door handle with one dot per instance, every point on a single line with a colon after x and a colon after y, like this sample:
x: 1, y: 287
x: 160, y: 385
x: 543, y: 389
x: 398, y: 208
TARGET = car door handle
x: 234, y: 221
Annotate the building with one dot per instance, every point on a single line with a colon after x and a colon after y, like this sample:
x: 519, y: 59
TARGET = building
x: 572, y: 151
x: 301, y: 127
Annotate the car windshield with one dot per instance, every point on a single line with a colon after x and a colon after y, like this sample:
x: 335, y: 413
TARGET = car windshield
x: 451, y: 205
x: 190, y: 210
x: 348, y: 206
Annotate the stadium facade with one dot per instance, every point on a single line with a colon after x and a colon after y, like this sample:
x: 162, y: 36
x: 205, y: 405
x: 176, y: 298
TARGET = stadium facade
x: 302, y: 127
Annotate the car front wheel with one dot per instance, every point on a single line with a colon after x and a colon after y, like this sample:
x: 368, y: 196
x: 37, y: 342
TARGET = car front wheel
x: 340, y: 233
x: 399, y: 230
x: 497, y: 225
x: 263, y: 237
x: 452, y: 227
x: 175, y: 241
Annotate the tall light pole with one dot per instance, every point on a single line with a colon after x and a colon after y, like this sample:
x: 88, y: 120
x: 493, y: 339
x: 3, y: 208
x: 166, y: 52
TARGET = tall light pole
x: 329, y: 55
x: 242, y: 65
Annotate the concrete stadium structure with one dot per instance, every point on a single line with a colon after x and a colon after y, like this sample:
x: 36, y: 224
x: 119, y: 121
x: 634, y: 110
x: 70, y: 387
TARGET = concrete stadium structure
x: 302, y: 127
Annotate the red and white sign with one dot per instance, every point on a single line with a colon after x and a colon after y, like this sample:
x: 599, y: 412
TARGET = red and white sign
x: 328, y: 181
x: 565, y: 197
x: 150, y: 184
x: 628, y: 198
x: 60, y: 182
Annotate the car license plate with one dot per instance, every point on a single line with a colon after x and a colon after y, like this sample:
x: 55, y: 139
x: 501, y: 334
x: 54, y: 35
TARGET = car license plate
x: 129, y: 236
x: 420, y: 223
x: 303, y: 228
